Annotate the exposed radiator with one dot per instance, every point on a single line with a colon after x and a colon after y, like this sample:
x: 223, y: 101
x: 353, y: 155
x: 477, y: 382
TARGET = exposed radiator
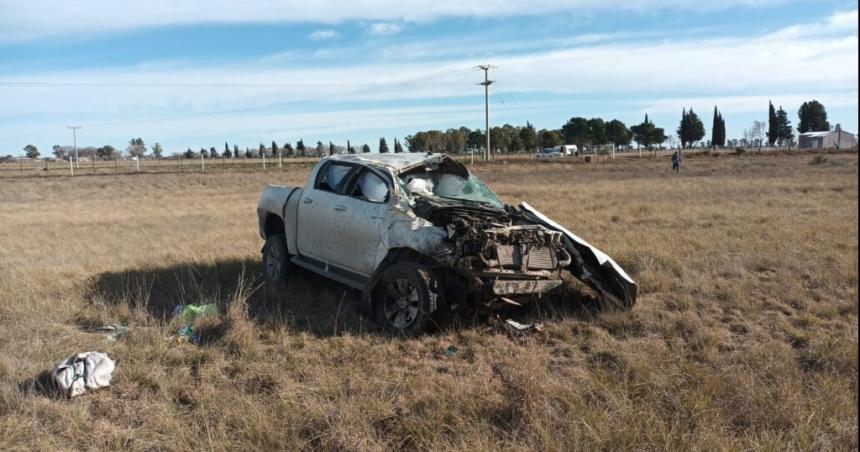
x: 538, y: 258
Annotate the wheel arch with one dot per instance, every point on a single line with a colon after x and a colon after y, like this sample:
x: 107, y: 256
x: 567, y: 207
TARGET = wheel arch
x: 394, y: 255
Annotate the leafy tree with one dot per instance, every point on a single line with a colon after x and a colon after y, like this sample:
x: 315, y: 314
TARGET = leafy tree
x: 236, y: 150
x: 576, y: 131
x: 288, y: 149
x: 646, y: 134
x: 157, y: 150
x: 718, y: 129
x: 784, y: 132
x: 772, y: 126
x: 136, y: 147
x: 813, y: 117
x: 500, y: 139
x: 275, y: 149
x: 618, y: 133
x: 204, y: 153
x: 300, y: 148
x: 455, y: 140
x: 320, y: 149
x: 383, y: 146
x: 59, y: 152
x: 261, y: 150
x: 398, y: 148
x: 248, y: 153
x: 691, y: 129
x: 189, y: 154
x: 475, y: 140
x: 349, y: 148
x: 107, y: 152
x: 549, y: 138
x: 331, y: 148
x: 529, y: 137
x: 213, y: 152
x: 365, y: 148
x: 417, y: 142
x: 597, y: 131
x: 31, y: 151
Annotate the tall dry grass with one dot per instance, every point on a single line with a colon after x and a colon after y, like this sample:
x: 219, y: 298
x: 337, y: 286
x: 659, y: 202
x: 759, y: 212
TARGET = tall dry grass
x: 745, y: 334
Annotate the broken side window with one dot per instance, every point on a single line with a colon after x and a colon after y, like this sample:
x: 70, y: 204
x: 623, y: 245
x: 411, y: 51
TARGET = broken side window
x: 331, y: 176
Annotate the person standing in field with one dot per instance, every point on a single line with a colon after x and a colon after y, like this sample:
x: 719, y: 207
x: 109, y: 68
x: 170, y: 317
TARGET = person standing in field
x: 676, y: 162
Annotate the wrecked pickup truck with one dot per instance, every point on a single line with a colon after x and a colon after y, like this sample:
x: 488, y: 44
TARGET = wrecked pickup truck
x: 419, y: 236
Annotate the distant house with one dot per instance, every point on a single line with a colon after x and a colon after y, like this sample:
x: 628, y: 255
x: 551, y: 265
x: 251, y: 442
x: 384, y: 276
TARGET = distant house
x: 838, y: 139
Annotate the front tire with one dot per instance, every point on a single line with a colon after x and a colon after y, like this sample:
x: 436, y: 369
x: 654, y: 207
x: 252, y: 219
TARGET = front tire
x: 408, y: 299
x: 276, y: 261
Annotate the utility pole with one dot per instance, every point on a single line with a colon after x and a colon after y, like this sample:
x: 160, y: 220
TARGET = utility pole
x: 487, y: 82
x: 75, y: 138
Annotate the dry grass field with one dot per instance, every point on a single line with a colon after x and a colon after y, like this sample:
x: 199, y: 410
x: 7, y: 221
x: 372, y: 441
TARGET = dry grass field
x: 744, y: 336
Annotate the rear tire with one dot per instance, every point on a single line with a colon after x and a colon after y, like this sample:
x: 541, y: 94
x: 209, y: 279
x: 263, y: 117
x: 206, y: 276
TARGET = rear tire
x: 276, y: 261
x: 408, y: 299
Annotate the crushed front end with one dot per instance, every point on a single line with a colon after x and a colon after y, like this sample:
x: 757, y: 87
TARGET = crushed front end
x: 502, y: 260
x: 497, y: 254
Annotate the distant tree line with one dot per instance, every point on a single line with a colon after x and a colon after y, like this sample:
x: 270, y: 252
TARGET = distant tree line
x: 594, y: 134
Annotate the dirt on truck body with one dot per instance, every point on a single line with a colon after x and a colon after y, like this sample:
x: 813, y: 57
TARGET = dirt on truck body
x: 420, y: 236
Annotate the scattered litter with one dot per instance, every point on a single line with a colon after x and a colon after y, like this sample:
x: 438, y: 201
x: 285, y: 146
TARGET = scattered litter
x: 113, y: 332
x: 189, y: 313
x: 450, y: 351
x: 516, y: 328
x: 83, y: 372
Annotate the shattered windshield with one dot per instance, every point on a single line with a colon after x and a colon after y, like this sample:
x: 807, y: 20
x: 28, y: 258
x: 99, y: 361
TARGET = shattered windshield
x: 443, y: 185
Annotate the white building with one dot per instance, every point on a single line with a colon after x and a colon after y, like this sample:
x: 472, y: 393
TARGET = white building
x: 838, y: 139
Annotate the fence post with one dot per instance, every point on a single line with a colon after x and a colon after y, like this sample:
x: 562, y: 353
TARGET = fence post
x: 202, y: 163
x: 71, y: 166
x: 264, y: 161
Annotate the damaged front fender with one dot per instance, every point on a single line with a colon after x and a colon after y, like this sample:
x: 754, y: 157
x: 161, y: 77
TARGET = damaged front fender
x: 590, y: 265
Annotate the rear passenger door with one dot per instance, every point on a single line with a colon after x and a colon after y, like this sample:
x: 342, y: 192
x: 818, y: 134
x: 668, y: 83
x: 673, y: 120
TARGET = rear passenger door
x: 358, y: 223
x: 316, y: 212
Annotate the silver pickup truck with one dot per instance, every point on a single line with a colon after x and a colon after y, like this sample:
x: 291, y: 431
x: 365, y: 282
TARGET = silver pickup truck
x: 421, y: 236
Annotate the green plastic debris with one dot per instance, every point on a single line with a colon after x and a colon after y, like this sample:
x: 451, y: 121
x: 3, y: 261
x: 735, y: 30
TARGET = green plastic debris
x: 189, y: 313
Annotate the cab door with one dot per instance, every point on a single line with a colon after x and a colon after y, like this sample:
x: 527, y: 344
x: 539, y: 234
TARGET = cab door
x: 316, y: 210
x: 359, y: 224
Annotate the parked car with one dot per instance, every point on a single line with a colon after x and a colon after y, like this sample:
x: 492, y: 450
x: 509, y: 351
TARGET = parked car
x: 547, y: 154
x: 420, y: 236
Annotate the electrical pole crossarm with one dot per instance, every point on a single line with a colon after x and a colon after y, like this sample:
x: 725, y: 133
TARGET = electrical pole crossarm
x: 486, y: 83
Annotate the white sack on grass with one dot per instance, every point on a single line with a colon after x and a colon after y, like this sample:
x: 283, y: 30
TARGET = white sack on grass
x: 83, y: 372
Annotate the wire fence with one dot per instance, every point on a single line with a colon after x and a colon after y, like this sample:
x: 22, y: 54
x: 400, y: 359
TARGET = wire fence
x: 58, y: 167
x: 52, y: 167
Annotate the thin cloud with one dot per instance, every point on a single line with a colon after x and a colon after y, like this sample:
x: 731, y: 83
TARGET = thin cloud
x: 40, y: 19
x: 384, y: 29
x: 323, y: 35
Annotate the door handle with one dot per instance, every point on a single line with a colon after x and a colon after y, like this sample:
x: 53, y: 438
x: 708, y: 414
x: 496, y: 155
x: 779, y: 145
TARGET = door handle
x: 340, y: 208
x: 307, y: 200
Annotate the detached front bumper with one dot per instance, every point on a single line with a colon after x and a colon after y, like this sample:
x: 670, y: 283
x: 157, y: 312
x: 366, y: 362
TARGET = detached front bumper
x: 519, y: 287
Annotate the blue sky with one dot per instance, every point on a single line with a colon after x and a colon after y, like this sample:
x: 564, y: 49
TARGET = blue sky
x: 198, y: 73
